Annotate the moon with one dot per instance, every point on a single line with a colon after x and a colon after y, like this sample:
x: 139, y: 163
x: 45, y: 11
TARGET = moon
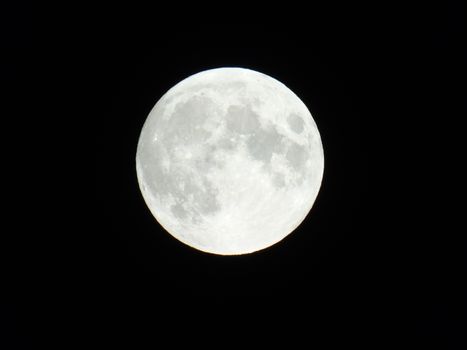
x: 229, y: 161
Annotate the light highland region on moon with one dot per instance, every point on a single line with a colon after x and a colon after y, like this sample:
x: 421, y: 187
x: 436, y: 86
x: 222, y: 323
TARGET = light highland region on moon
x: 229, y: 161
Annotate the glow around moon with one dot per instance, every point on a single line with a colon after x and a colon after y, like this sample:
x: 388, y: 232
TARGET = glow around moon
x: 229, y: 161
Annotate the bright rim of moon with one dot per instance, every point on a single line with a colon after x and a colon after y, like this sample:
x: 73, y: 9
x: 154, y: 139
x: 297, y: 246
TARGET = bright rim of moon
x: 229, y: 161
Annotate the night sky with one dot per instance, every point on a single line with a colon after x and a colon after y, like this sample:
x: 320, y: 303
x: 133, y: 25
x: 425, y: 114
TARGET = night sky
x: 375, y: 256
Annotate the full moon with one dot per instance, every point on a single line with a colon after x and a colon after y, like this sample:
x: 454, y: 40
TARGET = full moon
x: 229, y: 161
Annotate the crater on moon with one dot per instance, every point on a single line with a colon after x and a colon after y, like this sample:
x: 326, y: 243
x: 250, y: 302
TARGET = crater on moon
x: 295, y: 123
x: 218, y: 166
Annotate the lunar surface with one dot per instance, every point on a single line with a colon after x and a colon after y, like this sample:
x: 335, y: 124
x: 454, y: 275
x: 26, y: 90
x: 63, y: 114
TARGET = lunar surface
x: 229, y: 161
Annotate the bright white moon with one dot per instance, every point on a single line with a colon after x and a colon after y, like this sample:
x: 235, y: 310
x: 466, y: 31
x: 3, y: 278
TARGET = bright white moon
x: 229, y: 161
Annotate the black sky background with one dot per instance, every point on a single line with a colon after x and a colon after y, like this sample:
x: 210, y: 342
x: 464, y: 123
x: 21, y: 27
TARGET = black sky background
x: 378, y: 256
